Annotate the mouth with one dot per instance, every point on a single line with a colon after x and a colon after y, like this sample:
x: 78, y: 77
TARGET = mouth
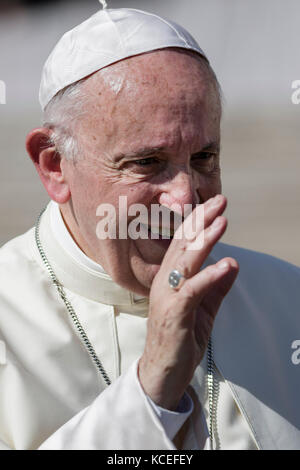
x: 158, y: 233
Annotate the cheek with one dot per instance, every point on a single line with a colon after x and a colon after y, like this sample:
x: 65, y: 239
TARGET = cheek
x: 89, y: 192
x: 86, y: 195
x: 136, y: 202
x: 139, y: 193
x: 208, y: 185
x: 89, y: 189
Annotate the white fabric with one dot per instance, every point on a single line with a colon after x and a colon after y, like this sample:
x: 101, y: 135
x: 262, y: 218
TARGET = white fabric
x: 106, y: 37
x: 171, y: 420
x: 233, y: 431
x: 86, y: 429
x: 63, y: 237
x: 48, y: 378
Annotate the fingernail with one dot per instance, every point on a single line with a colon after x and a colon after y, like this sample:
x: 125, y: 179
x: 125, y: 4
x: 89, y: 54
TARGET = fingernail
x: 223, y: 266
x: 217, y: 200
x: 216, y: 223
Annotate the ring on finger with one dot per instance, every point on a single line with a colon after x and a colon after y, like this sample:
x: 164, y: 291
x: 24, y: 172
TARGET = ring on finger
x: 176, y: 279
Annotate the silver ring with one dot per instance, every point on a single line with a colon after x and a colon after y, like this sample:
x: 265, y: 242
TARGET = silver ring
x: 176, y: 279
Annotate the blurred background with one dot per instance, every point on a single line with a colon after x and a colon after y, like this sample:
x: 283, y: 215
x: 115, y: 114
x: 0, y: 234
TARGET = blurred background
x: 253, y: 47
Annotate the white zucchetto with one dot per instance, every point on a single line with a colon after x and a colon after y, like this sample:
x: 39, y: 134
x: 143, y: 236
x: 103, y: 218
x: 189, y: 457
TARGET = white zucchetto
x: 107, y: 37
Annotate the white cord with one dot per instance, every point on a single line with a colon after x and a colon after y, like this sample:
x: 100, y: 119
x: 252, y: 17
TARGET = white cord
x: 103, y: 3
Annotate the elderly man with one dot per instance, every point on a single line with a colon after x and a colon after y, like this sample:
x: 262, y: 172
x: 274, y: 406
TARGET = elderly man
x: 114, y: 342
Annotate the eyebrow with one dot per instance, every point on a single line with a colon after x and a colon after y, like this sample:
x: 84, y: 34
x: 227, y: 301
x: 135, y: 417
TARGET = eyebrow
x: 148, y: 151
x: 211, y: 146
x: 143, y: 152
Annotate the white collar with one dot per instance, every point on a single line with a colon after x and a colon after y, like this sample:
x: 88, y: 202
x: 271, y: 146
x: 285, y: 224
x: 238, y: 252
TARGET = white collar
x: 64, y: 238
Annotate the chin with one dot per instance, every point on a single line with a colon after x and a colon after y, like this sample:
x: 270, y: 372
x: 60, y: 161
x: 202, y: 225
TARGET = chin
x: 145, y: 273
x: 144, y: 266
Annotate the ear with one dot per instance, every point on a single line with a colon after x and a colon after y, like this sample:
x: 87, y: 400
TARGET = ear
x: 48, y: 164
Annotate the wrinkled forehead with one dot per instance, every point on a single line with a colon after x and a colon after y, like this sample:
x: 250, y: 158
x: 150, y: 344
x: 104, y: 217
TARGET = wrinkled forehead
x: 170, y: 76
x: 152, y: 95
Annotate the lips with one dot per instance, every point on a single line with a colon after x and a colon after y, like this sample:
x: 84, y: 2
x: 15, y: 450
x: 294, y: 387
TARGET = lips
x: 157, y: 233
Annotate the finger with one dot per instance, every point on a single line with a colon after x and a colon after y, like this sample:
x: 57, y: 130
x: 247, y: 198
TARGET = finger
x: 213, y: 299
x: 201, y: 217
x: 220, y: 275
x: 192, y: 256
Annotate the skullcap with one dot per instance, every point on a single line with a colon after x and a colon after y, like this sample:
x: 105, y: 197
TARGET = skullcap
x: 107, y: 37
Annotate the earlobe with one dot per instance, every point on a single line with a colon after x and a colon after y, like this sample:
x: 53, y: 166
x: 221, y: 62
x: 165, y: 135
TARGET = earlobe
x: 47, y: 162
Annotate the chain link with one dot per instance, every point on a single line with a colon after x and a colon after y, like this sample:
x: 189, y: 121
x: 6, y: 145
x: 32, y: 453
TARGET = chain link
x: 211, y: 394
x: 68, y: 304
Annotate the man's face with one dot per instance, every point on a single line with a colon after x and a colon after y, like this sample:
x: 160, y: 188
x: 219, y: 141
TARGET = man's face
x: 151, y: 133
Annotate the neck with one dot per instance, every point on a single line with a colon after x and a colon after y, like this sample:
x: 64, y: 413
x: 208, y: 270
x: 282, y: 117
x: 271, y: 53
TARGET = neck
x: 71, y: 223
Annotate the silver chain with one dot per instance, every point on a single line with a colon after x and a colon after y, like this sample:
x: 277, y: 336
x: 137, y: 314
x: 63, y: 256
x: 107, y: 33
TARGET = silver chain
x: 211, y: 393
x: 68, y: 305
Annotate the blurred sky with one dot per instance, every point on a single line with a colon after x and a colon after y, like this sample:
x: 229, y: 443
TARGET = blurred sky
x: 253, y: 47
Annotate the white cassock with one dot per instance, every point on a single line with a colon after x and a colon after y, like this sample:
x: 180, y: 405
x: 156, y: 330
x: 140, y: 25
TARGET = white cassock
x: 53, y: 397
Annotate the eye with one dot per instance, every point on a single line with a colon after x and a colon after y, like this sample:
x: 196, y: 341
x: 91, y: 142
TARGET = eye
x: 146, y: 161
x: 202, y: 156
x: 206, y: 162
x: 145, y: 166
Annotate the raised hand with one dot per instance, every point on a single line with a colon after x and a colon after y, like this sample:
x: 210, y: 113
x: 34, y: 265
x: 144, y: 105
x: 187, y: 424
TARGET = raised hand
x: 180, y: 321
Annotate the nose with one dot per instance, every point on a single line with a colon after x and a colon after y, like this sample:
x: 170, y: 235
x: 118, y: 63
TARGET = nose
x: 180, y: 190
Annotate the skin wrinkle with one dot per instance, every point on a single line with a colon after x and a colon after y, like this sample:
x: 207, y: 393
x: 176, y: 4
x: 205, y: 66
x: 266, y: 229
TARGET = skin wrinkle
x: 119, y: 71
x: 166, y: 100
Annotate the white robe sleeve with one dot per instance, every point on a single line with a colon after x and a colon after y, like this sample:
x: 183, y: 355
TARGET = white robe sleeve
x: 120, y: 418
x: 172, y: 421
x: 3, y: 446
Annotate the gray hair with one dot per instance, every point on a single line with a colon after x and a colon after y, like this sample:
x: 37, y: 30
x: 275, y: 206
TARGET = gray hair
x: 61, y: 115
x: 64, y: 110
